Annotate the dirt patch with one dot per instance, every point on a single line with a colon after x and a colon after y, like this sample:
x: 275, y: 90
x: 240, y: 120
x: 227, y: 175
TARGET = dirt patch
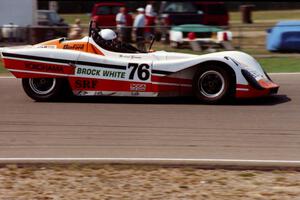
x: 144, y: 182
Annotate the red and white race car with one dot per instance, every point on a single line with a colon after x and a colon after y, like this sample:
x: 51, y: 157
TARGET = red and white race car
x: 92, y: 66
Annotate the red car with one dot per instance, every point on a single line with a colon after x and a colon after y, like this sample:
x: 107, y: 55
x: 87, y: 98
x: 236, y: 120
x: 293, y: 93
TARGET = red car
x: 208, y: 13
x: 214, y: 13
x: 104, y: 13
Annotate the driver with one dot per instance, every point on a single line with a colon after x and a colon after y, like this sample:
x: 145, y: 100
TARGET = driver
x: 110, y: 42
x: 108, y: 39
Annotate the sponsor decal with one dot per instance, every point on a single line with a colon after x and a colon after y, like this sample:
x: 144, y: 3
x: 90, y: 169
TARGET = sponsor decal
x: 87, y: 71
x: 135, y: 93
x: 46, y: 46
x: 86, y: 84
x: 113, y: 74
x: 74, y: 46
x: 131, y: 57
x: 138, y: 87
x: 44, y: 67
x: 94, y: 72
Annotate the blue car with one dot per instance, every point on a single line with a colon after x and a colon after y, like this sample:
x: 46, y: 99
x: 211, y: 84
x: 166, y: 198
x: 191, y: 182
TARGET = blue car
x: 284, y: 36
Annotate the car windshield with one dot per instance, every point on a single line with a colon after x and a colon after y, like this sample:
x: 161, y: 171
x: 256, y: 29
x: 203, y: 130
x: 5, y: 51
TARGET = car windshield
x: 107, y: 10
x: 51, y: 16
x: 180, y: 7
x: 216, y: 9
x: 54, y: 17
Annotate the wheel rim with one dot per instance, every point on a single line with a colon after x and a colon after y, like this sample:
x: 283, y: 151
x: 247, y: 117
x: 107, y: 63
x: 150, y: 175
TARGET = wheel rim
x: 211, y: 84
x: 42, y: 86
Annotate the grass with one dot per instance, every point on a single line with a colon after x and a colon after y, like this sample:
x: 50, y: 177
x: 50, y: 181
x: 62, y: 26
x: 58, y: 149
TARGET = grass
x: 2, y: 69
x: 267, y: 15
x: 70, y: 18
x: 280, y: 64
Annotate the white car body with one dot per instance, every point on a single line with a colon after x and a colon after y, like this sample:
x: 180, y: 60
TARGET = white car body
x: 92, y: 70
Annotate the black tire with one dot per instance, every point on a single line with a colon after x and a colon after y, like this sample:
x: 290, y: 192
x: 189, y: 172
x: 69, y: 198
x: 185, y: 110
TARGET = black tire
x: 45, y: 89
x: 212, y: 84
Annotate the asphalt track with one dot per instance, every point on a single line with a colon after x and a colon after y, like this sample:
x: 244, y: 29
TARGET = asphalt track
x: 126, y: 128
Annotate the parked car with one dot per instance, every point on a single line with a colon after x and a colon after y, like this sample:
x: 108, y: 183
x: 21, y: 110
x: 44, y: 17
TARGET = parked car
x: 178, y: 13
x: 204, y: 34
x: 104, y: 13
x: 51, y: 18
x: 214, y: 13
x: 284, y: 36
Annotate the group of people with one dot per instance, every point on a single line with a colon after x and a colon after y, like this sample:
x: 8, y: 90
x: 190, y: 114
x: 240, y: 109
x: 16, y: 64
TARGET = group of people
x: 142, y: 25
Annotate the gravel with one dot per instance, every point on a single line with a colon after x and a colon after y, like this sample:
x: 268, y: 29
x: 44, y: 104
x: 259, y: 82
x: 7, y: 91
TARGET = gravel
x: 87, y: 181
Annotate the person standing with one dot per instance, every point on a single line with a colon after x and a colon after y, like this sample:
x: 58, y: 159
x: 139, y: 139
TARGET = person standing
x: 139, y: 28
x: 76, y: 30
x: 121, y: 23
x: 150, y: 17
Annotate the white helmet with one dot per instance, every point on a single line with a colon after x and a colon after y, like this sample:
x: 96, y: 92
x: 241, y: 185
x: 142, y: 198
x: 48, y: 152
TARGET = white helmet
x: 107, y: 34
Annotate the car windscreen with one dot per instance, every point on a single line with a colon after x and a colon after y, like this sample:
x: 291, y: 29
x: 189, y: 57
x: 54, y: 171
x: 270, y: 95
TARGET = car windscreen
x: 107, y: 10
x: 217, y: 9
x: 50, y: 17
x: 54, y: 17
x: 179, y: 7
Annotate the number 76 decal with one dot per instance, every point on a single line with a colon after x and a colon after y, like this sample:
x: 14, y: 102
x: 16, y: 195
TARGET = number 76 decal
x: 143, y: 71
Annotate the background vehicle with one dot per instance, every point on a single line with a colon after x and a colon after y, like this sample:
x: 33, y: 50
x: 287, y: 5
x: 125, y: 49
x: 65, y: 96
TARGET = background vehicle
x: 214, y: 13
x: 14, y: 21
x: 104, y: 14
x: 284, y: 36
x: 178, y: 13
x: 207, y: 13
x: 49, y: 18
x: 201, y: 33
x: 50, y: 25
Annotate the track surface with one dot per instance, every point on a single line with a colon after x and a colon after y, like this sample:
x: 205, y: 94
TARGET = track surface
x: 267, y: 128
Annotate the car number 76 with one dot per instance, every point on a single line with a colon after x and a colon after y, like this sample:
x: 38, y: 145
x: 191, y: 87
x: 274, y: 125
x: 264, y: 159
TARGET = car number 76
x: 143, y: 71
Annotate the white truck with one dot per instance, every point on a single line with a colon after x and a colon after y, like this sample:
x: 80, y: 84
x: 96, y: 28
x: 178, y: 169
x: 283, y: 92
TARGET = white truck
x: 15, y: 16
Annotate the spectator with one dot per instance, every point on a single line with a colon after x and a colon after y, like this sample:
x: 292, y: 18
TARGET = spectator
x: 150, y: 19
x: 76, y: 30
x: 139, y: 28
x: 123, y: 20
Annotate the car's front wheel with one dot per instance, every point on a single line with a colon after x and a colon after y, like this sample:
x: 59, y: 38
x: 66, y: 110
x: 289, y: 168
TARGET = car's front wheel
x: 44, y: 89
x: 212, y: 84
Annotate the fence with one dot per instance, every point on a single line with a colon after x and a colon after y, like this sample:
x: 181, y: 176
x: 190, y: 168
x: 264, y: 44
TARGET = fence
x: 250, y: 37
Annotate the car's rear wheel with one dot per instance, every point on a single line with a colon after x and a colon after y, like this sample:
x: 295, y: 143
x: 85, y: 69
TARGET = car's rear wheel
x: 44, y: 89
x: 212, y: 84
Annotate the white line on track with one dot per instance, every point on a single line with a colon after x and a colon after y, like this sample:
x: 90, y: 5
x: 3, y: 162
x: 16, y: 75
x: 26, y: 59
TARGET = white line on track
x: 213, y: 162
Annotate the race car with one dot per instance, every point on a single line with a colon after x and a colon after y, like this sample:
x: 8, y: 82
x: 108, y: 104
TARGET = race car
x: 97, y: 66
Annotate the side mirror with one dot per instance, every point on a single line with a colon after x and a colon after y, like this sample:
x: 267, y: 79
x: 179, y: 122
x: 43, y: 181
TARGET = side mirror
x: 269, y: 30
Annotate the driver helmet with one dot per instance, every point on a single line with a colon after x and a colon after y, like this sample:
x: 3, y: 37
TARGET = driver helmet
x: 108, y: 34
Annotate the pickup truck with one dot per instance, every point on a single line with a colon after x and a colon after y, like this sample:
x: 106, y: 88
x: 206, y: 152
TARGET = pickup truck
x: 178, y: 13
